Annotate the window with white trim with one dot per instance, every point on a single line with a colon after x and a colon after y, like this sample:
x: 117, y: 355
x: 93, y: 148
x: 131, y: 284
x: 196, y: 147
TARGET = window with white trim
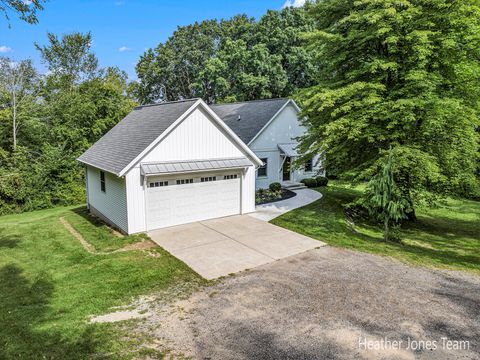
x: 228, y: 177
x: 262, y: 170
x: 157, y: 184
x: 208, y: 178
x: 184, y: 181
x: 102, y: 181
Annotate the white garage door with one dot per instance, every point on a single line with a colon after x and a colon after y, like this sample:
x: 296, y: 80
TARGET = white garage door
x: 209, y: 196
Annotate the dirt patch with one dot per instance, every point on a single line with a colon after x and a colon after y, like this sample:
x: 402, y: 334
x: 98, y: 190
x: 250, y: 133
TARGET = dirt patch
x: 86, y: 245
x: 319, y: 305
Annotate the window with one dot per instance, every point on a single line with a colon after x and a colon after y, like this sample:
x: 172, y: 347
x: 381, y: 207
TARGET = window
x: 308, y: 165
x: 102, y: 181
x: 262, y: 170
x: 209, y: 178
x: 158, y: 184
x: 228, y: 177
x: 184, y: 181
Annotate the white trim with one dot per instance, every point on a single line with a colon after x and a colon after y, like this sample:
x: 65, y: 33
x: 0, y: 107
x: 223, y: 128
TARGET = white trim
x: 290, y: 101
x: 212, y: 170
x: 99, y: 168
x: 163, y: 135
x: 159, y: 138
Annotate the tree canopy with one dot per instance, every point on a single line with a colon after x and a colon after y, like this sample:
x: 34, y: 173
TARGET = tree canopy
x: 60, y: 115
x: 25, y: 10
x: 230, y: 60
x: 399, y: 74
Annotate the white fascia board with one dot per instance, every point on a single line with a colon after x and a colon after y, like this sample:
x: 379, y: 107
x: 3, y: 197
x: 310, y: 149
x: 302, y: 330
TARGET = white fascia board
x: 160, y: 137
x: 290, y: 101
x: 98, y: 167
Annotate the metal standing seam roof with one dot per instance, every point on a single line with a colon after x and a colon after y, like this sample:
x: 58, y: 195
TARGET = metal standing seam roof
x: 193, y: 166
x: 289, y: 149
x: 246, y: 119
x: 125, y: 141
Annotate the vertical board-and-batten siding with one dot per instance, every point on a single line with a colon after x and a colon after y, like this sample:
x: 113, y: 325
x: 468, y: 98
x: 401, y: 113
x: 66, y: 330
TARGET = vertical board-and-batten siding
x: 195, y: 138
x: 111, y: 204
x: 284, y: 129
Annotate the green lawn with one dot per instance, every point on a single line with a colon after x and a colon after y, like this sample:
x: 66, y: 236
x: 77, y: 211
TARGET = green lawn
x: 50, y: 286
x: 447, y: 236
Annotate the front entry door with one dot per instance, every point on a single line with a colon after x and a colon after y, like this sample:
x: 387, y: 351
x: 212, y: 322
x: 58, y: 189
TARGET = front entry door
x: 286, y: 169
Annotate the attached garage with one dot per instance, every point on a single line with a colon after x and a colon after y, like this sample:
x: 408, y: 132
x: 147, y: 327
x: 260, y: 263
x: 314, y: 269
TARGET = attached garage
x: 173, y: 163
x: 184, y: 192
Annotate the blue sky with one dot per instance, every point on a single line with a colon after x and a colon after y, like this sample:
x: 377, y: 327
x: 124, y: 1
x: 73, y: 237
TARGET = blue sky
x: 121, y: 29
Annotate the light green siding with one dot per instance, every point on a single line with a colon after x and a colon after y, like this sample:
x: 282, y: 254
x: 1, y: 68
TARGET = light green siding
x: 111, y: 204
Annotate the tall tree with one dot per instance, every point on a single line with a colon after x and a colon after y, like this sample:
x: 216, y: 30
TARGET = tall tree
x: 228, y: 60
x: 397, y: 74
x: 26, y: 10
x: 70, y: 58
x: 17, y: 85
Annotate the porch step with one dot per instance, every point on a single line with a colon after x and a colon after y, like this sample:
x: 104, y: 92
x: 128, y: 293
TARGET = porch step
x: 290, y: 185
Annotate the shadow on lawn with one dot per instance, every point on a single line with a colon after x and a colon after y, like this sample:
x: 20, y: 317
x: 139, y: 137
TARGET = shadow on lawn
x: 24, y: 306
x: 84, y: 213
x: 8, y: 240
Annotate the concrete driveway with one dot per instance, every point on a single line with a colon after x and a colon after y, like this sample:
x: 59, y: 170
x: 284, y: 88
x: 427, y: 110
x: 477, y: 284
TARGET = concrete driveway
x: 219, y: 247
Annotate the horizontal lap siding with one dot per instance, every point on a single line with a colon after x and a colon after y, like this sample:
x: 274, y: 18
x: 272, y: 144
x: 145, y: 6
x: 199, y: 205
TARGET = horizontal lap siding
x: 111, y: 204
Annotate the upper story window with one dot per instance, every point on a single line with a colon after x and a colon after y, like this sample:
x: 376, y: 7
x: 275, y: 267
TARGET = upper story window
x: 184, y: 181
x: 228, y: 177
x: 262, y: 170
x: 308, y: 165
x: 157, y: 184
x: 208, y: 178
x: 102, y: 181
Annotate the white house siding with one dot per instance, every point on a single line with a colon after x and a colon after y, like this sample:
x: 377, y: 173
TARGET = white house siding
x: 111, y: 204
x: 248, y: 190
x: 196, y: 138
x: 284, y: 129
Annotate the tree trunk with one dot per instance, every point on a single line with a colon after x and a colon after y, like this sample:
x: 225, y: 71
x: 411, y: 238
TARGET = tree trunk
x: 14, y: 122
x: 385, y: 230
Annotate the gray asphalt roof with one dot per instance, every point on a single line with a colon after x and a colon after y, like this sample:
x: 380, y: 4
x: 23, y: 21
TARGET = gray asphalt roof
x: 124, y: 142
x: 253, y: 116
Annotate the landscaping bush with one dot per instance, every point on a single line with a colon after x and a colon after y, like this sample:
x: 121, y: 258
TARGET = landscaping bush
x: 321, y: 181
x: 275, y: 186
x: 309, y: 182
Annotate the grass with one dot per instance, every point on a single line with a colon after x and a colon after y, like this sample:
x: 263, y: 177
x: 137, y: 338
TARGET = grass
x: 50, y: 286
x: 447, y: 236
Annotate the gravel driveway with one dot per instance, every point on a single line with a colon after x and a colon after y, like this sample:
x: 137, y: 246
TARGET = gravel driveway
x: 317, y: 305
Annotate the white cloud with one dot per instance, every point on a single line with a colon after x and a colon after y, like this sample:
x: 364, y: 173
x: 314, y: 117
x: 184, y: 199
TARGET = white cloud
x: 119, y: 3
x: 5, y: 49
x: 294, y: 3
x: 124, y: 48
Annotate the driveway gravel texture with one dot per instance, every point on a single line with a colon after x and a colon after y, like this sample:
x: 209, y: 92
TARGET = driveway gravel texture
x: 322, y: 304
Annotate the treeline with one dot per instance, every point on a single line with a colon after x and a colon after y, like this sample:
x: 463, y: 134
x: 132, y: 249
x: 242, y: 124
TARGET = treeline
x: 231, y: 60
x: 47, y: 121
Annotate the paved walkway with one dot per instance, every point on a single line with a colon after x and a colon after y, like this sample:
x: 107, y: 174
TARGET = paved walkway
x: 223, y: 246
x: 267, y: 212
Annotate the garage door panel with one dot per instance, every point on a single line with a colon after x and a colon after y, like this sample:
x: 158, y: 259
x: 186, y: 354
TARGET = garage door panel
x: 180, y: 204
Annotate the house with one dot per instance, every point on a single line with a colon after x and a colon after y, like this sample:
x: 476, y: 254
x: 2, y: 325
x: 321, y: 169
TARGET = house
x: 184, y: 161
x: 270, y: 128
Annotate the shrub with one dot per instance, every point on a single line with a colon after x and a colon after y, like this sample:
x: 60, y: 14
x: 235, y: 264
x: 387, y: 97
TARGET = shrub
x: 321, y: 181
x: 309, y: 182
x: 275, y: 186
